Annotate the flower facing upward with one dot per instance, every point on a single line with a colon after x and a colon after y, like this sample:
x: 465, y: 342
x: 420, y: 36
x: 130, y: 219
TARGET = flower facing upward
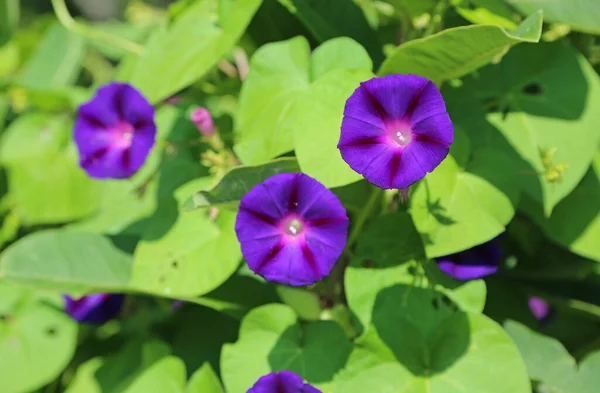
x: 97, y: 308
x: 395, y: 130
x: 474, y: 263
x: 292, y: 229
x: 282, y: 382
x: 114, y: 132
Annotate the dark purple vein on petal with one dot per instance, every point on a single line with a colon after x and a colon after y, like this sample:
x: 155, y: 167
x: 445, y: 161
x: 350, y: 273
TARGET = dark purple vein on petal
x: 394, y: 165
x: 294, y: 195
x: 269, y: 257
x: 376, y: 104
x: 91, y: 158
x: 426, y: 138
x: 413, y: 103
x: 372, y: 140
x: 324, y: 221
x: 261, y: 216
x: 310, y: 258
x: 119, y: 103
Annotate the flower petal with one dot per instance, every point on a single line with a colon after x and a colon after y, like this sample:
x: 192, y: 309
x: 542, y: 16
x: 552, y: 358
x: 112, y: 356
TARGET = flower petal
x: 144, y: 139
x: 430, y: 103
x: 465, y: 272
x: 358, y: 132
x: 436, y: 128
x: 427, y: 154
x: 396, y: 95
x: 103, y: 107
x: 360, y: 106
x: 135, y: 109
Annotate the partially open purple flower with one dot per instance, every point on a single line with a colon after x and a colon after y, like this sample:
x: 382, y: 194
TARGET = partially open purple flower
x: 292, y: 229
x: 282, y: 382
x: 474, y: 263
x: 97, y: 308
x: 539, y: 308
x: 395, y: 130
x: 203, y: 120
x: 114, y: 132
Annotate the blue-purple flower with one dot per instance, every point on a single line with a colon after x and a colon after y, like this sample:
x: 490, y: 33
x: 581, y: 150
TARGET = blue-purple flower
x: 292, y: 229
x: 96, y: 308
x: 477, y: 262
x: 282, y: 382
x: 395, y: 130
x: 539, y: 308
x: 114, y: 132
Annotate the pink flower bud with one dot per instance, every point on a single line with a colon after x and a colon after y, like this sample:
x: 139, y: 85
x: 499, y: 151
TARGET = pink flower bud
x: 203, y: 121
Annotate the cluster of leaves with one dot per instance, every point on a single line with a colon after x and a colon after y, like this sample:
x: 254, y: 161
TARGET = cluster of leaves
x: 521, y: 83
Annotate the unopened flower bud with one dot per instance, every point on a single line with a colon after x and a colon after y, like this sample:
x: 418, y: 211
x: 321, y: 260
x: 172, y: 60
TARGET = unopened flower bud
x: 203, y: 121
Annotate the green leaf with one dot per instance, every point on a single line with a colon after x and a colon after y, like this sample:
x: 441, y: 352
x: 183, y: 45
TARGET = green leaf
x: 487, y: 12
x: 457, y: 51
x: 580, y: 210
x: 417, y: 344
x: 305, y: 303
x: 43, y: 170
x: 271, y: 339
x: 338, y: 54
x: 457, y: 208
x: 120, y: 371
x: 554, y: 89
x: 135, y: 32
x: 316, y: 121
x: 9, y: 59
x: 280, y: 73
x: 199, y: 333
x: 581, y: 15
x: 383, y: 260
x: 204, y: 380
x: 166, y: 376
x: 9, y: 19
x: 56, y: 62
x: 179, y: 64
x: 411, y: 9
x: 237, y: 182
x: 551, y: 364
x: 349, y: 21
x: 37, y: 340
x: 67, y: 261
x: 186, y: 254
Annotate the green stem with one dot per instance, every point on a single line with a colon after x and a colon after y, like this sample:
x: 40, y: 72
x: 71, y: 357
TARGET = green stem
x: 362, y: 217
x: 62, y: 13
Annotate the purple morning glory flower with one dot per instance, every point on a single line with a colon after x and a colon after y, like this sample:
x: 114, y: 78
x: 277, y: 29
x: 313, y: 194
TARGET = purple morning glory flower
x: 474, y: 263
x: 292, y: 229
x: 96, y: 308
x: 282, y: 382
x: 114, y: 132
x: 395, y: 130
x: 539, y: 308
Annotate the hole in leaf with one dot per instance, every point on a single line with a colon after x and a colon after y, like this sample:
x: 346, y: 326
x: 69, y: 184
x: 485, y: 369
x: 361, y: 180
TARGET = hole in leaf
x: 174, y: 264
x: 533, y: 89
x: 412, y: 270
x: 505, y: 112
x: 369, y: 263
x: 326, y: 302
x: 51, y: 331
x: 449, y: 303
